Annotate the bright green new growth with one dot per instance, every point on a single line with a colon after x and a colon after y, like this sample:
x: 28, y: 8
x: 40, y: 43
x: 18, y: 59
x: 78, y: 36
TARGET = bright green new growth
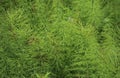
x: 59, y: 39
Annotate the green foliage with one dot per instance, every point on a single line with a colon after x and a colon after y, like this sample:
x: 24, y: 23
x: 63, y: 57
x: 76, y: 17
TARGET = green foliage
x: 59, y: 39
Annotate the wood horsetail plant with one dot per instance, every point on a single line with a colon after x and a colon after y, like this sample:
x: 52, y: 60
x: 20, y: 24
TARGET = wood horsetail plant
x: 59, y: 39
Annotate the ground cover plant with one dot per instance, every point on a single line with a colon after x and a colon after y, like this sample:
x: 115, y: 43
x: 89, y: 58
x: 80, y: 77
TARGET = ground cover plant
x: 59, y: 39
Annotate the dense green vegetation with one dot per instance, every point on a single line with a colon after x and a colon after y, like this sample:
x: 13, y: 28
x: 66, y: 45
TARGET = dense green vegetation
x: 59, y: 39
